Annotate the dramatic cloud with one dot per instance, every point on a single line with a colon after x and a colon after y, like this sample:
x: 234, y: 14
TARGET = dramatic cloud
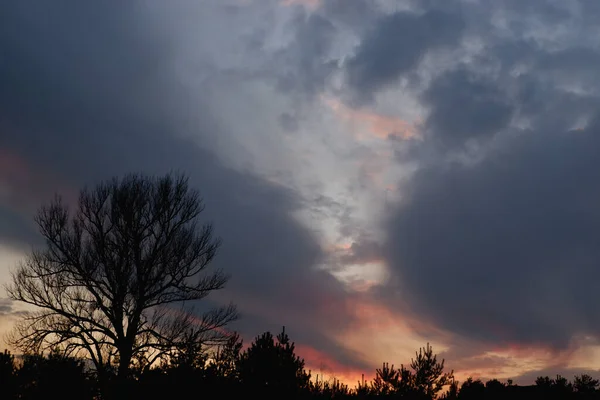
x: 507, y: 239
x: 499, y: 242
x: 304, y: 66
x: 382, y: 173
x: 464, y: 107
x: 396, y: 44
x: 94, y: 96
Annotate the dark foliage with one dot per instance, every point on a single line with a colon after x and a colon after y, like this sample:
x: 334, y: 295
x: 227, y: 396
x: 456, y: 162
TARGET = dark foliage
x: 270, y: 367
x: 39, y: 377
x: 8, y: 381
x: 424, y: 380
x: 267, y: 369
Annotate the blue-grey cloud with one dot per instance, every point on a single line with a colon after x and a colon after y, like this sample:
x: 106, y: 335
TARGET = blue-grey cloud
x: 464, y: 107
x: 6, y: 306
x: 396, y: 44
x: 500, y: 244
x: 506, y: 249
x: 305, y: 66
x: 88, y: 94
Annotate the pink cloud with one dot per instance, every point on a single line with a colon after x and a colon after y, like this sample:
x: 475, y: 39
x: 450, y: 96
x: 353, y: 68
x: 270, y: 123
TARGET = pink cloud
x: 378, y: 126
x: 326, y: 366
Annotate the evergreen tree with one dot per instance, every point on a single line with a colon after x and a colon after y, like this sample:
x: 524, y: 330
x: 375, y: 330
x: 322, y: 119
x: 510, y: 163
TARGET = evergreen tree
x: 386, y: 380
x: 429, y: 375
x: 452, y: 393
x: 272, y: 367
x: 585, y: 384
x: 226, y: 359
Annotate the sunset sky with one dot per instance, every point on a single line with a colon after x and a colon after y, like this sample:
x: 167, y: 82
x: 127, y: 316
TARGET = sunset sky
x: 383, y: 173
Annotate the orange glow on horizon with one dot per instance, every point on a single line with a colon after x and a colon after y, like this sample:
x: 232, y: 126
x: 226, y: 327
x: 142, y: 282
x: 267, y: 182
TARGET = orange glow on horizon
x: 326, y: 367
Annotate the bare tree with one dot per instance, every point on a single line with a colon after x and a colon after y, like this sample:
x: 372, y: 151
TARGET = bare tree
x: 116, y: 276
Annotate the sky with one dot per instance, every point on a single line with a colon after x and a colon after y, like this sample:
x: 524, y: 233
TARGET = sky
x: 383, y: 173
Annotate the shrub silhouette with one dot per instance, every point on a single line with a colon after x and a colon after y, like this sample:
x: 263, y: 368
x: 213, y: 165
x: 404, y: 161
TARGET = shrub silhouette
x: 53, y: 376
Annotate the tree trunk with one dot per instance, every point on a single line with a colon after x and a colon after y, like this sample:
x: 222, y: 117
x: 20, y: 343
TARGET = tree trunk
x: 124, y: 362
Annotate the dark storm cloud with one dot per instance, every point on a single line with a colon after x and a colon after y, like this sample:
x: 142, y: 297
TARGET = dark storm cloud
x: 396, y: 44
x: 305, y: 65
x: 16, y: 230
x: 503, y: 247
x: 88, y: 93
x: 506, y: 250
x: 465, y: 106
x: 573, y: 65
x: 554, y: 88
x: 590, y: 10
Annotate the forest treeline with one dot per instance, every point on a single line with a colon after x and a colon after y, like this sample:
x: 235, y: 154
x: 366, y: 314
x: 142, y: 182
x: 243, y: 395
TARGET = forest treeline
x: 267, y: 369
x: 112, y: 314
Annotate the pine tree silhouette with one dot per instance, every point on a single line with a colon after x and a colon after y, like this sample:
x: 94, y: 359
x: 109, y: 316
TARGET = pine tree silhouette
x: 270, y: 367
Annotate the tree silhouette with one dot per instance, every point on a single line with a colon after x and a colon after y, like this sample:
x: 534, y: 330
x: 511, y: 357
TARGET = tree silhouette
x: 268, y: 369
x: 544, y: 382
x: 331, y: 389
x: 425, y: 378
x: 113, y: 271
x: 544, y: 385
x: 452, y: 393
x: 7, y: 375
x: 471, y: 390
x: 387, y: 380
x: 225, y: 361
x: 271, y: 367
x: 561, y: 388
x: 188, y: 354
x: 585, y: 384
x: 391, y: 381
x: 495, y: 390
x: 363, y: 388
x: 53, y: 376
x: 429, y: 375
